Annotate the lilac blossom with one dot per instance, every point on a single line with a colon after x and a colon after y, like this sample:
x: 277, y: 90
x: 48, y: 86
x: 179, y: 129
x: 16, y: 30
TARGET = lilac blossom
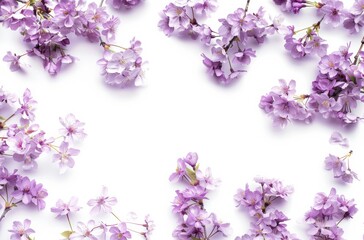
x: 308, y: 44
x: 63, y: 208
x: 327, y: 213
x: 340, y: 167
x: 266, y: 222
x: 230, y: 45
x: 88, y: 231
x: 13, y: 59
x: 72, y: 127
x: 120, y: 232
x: 283, y: 106
x: 333, y: 11
x: 124, y: 68
x: 103, y: 203
x: 194, y: 220
x: 21, y: 231
x: 337, y: 138
x: 64, y: 157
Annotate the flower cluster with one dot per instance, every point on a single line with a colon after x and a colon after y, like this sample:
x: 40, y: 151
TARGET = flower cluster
x: 123, y: 68
x: 340, y: 165
x: 231, y: 45
x: 327, y: 213
x: 336, y: 91
x: 267, y: 222
x: 195, y: 222
x: 16, y: 190
x: 332, y: 10
x: 96, y: 228
x: 23, y: 141
x: 283, y: 106
x: 46, y: 27
x: 309, y: 44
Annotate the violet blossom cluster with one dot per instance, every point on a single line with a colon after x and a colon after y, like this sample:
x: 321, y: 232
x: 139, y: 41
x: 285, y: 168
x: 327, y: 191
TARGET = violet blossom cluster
x: 336, y: 91
x: 23, y: 141
x: 96, y: 228
x: 195, y: 222
x: 340, y: 165
x: 283, y: 105
x: 267, y: 221
x: 46, y: 27
x: 327, y: 212
x: 308, y: 44
x: 17, y: 190
x: 231, y: 45
x: 333, y: 12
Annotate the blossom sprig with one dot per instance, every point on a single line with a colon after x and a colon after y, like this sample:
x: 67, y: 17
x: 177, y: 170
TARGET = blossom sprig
x: 267, y: 221
x: 327, y: 212
x: 336, y: 91
x: 195, y: 222
x: 22, y: 140
x: 46, y: 27
x: 340, y: 166
x: 333, y: 12
x: 308, y: 44
x: 96, y: 228
x: 16, y: 190
x: 230, y: 46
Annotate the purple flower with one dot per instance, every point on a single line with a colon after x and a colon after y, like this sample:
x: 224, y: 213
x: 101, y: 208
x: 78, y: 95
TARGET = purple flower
x: 23, y: 192
x: 96, y: 14
x: 333, y: 11
x: 20, y: 143
x: 180, y: 171
x: 285, y: 89
x: 197, y: 217
x: 120, y: 232
x: 64, y: 156
x: 13, y: 59
x: 103, y: 203
x: 73, y: 128
x: 335, y: 164
x: 337, y: 138
x: 206, y: 180
x: 330, y: 65
x: 62, y: 208
x: 86, y: 232
x: 205, y: 7
x: 122, y: 69
x: 177, y: 17
x: 26, y: 109
x: 110, y: 28
x: 21, y: 231
x: 325, y: 104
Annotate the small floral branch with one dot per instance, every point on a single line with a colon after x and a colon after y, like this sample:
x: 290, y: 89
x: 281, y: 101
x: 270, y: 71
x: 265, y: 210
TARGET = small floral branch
x: 267, y: 222
x: 97, y: 228
x: 230, y: 45
x: 46, y: 27
x: 195, y: 222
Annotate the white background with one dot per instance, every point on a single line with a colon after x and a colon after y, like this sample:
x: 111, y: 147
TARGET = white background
x: 136, y: 135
